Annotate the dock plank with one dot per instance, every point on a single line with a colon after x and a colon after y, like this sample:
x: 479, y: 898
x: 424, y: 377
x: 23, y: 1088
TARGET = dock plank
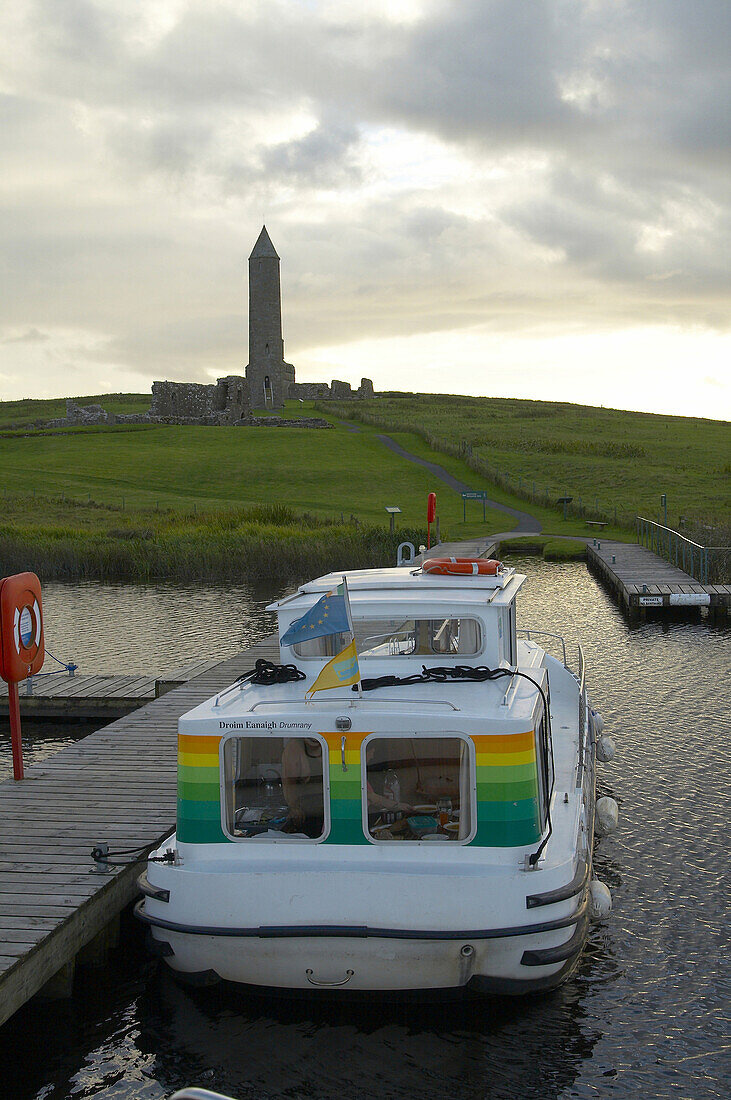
x: 103, y: 788
x: 104, y: 695
x: 634, y: 572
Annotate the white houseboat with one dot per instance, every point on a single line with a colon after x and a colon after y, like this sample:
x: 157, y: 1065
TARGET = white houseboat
x: 427, y: 829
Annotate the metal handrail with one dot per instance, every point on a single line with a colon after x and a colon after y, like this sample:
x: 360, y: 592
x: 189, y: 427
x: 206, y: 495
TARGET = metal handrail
x: 580, y: 676
x: 688, y: 555
x: 528, y: 631
x: 582, y: 708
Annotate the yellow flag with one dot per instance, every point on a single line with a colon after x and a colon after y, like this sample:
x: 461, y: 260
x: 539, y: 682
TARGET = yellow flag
x: 341, y: 671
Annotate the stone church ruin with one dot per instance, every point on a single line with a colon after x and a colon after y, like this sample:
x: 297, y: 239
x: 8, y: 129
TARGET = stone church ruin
x: 234, y: 400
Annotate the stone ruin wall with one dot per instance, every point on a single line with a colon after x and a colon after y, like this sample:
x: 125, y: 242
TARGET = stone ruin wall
x: 336, y: 391
x: 82, y: 416
x: 226, y: 402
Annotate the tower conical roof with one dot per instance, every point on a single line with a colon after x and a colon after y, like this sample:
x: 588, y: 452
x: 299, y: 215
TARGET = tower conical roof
x: 263, y: 246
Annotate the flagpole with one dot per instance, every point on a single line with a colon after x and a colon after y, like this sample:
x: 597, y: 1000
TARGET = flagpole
x: 352, y: 631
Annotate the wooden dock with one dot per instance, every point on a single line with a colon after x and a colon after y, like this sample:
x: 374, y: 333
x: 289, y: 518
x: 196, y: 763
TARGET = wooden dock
x: 59, y: 695
x: 116, y: 786
x: 642, y: 580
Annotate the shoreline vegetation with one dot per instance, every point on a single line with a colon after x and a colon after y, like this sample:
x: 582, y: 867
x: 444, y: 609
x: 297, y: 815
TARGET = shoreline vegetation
x: 545, y: 546
x: 249, y: 544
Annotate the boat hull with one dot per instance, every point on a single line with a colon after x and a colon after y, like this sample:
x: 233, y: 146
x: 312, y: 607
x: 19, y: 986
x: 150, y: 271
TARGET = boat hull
x: 481, y: 961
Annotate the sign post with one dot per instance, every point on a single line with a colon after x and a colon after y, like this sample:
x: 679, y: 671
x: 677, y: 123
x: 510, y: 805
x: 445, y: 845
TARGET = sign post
x: 393, y: 512
x: 473, y: 494
x: 22, y: 647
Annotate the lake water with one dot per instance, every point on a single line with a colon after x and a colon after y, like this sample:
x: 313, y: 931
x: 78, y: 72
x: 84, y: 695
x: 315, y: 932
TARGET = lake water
x: 645, y: 1016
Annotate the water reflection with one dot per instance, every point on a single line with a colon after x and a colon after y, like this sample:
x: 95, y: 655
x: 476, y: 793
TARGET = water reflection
x: 275, y: 1048
x: 149, y: 629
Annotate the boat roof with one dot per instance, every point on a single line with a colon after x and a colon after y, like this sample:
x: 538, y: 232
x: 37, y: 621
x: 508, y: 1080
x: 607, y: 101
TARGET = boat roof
x: 278, y: 710
x: 411, y: 585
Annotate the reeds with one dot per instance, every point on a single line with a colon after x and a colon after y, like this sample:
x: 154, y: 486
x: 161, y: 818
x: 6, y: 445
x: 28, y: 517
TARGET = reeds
x: 254, y: 544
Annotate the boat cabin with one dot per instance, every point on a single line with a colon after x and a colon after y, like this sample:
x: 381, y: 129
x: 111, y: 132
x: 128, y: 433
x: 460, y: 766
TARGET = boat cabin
x: 461, y: 762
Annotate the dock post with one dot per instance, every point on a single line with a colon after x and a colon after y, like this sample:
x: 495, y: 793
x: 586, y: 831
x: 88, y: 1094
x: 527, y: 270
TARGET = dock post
x: 96, y: 951
x: 61, y: 985
x: 15, y: 736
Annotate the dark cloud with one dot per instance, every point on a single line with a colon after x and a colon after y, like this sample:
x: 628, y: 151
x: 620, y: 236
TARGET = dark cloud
x: 140, y: 162
x: 322, y: 158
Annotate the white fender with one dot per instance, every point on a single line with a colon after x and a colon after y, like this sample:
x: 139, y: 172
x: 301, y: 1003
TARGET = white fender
x: 605, y: 748
x: 607, y: 815
x: 600, y: 900
x: 598, y: 722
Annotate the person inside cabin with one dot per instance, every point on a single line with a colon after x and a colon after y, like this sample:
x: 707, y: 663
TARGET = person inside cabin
x: 381, y: 803
x: 302, y: 785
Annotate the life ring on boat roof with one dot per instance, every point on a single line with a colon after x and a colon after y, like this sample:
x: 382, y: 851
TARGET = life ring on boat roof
x: 462, y: 567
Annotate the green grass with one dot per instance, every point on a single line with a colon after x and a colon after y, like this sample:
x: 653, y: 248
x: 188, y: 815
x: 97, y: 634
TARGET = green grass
x: 252, y: 544
x: 134, y: 501
x: 35, y: 413
x: 120, y: 502
x: 329, y: 473
x: 610, y: 462
x: 551, y: 549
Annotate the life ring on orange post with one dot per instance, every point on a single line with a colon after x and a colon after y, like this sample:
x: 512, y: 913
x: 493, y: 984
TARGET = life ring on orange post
x: 462, y: 567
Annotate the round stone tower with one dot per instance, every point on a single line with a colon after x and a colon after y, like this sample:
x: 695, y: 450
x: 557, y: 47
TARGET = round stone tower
x: 268, y: 375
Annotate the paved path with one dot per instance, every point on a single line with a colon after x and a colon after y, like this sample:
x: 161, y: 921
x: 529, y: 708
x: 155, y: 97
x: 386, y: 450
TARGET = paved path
x: 527, y: 524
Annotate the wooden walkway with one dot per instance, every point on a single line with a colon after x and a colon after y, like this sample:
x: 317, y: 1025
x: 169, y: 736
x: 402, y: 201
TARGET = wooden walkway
x: 643, y: 580
x: 59, y: 695
x: 116, y: 786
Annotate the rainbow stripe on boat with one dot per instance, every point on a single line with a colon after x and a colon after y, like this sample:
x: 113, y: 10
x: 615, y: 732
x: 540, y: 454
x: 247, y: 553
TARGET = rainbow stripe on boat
x: 507, y: 790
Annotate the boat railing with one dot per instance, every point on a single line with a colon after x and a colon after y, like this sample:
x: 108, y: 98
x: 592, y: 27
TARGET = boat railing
x: 357, y: 700
x: 582, y: 713
x: 579, y: 674
x: 529, y: 633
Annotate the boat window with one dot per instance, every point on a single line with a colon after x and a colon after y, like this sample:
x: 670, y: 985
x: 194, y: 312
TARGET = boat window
x: 274, y: 788
x: 418, y: 789
x: 401, y: 637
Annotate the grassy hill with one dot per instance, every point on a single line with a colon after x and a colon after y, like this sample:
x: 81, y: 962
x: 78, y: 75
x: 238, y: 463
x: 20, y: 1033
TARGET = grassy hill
x: 34, y: 413
x: 611, y: 462
x: 137, y: 501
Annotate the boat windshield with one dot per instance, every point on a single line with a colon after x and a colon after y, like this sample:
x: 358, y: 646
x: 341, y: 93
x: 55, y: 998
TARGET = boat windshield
x: 274, y: 788
x: 418, y: 788
x: 401, y: 637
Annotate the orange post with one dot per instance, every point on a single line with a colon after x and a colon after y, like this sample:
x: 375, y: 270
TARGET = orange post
x: 15, y: 738
x: 431, y: 511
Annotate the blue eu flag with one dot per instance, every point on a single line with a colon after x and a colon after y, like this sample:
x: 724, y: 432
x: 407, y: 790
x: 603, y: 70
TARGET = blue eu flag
x: 328, y: 616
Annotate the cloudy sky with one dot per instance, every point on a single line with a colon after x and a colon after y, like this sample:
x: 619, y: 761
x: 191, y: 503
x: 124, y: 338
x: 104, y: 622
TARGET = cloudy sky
x: 522, y: 198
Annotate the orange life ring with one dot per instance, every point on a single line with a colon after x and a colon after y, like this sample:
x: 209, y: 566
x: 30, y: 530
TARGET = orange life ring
x: 462, y: 567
